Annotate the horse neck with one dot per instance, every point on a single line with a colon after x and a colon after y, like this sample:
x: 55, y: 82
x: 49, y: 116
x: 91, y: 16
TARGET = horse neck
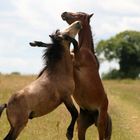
x: 85, y: 38
x: 64, y: 66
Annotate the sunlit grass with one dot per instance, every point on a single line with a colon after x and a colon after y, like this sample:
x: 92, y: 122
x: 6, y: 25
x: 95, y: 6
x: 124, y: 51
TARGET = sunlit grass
x: 124, y: 107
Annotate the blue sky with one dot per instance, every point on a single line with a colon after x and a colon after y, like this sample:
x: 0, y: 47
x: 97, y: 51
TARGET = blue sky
x: 22, y: 21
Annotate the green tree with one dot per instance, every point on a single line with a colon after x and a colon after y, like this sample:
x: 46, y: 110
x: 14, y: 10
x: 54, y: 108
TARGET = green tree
x: 124, y: 47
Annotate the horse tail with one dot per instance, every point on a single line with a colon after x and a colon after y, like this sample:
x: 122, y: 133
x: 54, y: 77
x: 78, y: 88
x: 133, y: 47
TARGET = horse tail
x: 108, y: 128
x: 2, y: 107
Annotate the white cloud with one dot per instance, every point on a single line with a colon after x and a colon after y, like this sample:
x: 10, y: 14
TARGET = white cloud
x: 111, y: 25
x: 22, y: 21
x: 26, y: 66
x: 107, y: 66
x: 120, y: 7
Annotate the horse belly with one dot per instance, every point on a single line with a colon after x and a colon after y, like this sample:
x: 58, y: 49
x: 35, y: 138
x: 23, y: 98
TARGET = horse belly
x: 43, y: 110
x: 86, y: 100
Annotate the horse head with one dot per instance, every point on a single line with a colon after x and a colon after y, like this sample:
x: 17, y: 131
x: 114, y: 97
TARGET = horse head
x: 67, y: 35
x: 62, y: 37
x: 70, y: 17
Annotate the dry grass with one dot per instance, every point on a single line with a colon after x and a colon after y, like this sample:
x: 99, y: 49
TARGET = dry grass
x: 124, y: 97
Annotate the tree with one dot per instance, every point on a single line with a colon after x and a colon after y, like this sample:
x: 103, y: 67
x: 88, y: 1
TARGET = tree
x: 124, y: 47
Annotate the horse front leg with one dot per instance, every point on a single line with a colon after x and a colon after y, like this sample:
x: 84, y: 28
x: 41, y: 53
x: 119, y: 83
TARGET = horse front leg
x: 74, y: 114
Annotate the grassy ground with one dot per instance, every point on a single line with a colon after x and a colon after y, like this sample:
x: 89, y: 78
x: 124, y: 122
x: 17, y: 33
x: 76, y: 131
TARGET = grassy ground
x: 124, y: 97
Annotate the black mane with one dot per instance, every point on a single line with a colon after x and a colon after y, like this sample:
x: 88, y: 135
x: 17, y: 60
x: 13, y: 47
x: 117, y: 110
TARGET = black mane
x: 52, y: 55
x: 92, y: 42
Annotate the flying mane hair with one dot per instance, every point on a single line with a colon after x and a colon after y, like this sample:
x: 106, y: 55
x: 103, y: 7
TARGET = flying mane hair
x: 52, y: 54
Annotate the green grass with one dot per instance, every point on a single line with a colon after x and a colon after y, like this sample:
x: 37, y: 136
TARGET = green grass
x: 124, y: 107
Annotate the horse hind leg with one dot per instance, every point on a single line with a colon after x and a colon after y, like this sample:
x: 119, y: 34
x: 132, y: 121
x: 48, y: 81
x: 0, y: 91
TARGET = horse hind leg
x: 86, y: 119
x: 14, y: 132
x: 9, y: 135
x: 74, y: 114
x: 17, y: 121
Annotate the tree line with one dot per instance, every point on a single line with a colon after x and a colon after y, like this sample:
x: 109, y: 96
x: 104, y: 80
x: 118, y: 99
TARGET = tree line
x: 125, y: 48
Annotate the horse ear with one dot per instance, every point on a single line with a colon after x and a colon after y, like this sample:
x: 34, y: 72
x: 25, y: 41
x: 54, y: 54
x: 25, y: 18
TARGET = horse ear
x: 91, y: 15
x: 51, y: 36
x: 56, y: 37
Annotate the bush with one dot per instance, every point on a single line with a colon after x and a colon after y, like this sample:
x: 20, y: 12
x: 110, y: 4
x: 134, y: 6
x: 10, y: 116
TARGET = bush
x: 113, y: 74
x: 117, y: 74
x: 15, y: 73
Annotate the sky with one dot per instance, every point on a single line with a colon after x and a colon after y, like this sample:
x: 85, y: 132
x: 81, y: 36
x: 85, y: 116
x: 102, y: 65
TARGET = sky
x: 23, y: 21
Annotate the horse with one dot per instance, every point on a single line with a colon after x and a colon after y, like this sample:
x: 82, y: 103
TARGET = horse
x: 89, y: 91
x: 48, y: 91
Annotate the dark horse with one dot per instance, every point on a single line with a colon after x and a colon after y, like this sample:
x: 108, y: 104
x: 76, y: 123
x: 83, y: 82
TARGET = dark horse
x: 52, y: 88
x: 89, y: 92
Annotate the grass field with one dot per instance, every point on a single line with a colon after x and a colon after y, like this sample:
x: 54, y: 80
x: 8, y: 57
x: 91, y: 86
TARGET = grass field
x: 124, y: 107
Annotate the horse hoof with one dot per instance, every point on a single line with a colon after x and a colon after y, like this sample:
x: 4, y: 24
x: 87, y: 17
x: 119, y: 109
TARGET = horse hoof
x: 69, y: 135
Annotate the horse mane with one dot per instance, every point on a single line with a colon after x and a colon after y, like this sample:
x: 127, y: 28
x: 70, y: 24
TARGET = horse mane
x: 92, y: 42
x: 82, y: 13
x: 93, y: 51
x: 52, y: 55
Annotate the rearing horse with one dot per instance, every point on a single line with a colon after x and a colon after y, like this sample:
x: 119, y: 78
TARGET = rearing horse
x: 89, y: 92
x: 54, y: 86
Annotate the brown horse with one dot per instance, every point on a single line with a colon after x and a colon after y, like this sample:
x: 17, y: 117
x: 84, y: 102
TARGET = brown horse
x: 89, y: 92
x: 52, y: 88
